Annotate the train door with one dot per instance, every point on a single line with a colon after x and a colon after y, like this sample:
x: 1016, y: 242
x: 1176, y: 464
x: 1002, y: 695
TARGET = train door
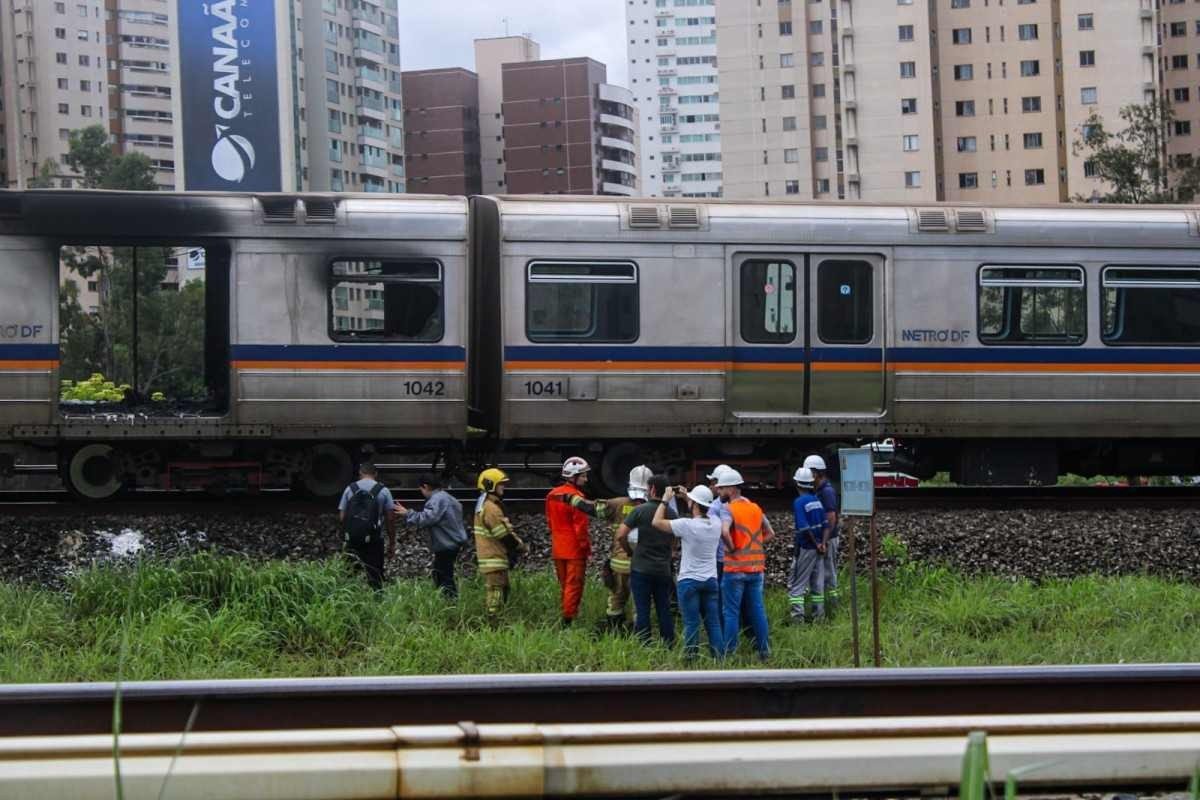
x: 808, y: 333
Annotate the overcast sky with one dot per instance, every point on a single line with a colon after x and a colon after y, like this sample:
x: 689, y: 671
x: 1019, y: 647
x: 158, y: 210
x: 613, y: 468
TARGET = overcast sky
x: 439, y: 33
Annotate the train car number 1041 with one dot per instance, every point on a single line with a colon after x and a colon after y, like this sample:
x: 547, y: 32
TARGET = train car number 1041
x: 544, y: 388
x: 425, y: 388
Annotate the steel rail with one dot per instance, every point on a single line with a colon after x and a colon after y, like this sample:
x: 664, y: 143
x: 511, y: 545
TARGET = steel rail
x: 250, y: 705
x: 745, y: 757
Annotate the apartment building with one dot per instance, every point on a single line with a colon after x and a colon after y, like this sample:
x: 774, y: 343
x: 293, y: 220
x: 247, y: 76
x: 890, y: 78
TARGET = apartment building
x: 921, y: 100
x: 672, y: 53
x: 566, y: 130
x: 441, y: 131
x: 490, y: 56
x: 1179, y: 71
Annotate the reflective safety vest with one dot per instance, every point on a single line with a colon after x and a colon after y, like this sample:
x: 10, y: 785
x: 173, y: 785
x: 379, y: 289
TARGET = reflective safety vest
x: 619, y: 509
x: 491, y: 529
x: 569, y: 536
x: 747, y: 554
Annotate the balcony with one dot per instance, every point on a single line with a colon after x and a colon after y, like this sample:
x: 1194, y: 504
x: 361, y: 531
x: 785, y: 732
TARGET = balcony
x: 617, y: 166
x: 618, y: 188
x: 366, y: 20
x: 370, y: 107
x: 617, y: 144
x: 374, y: 137
x: 666, y: 71
x: 370, y: 78
x: 620, y: 122
x: 668, y: 128
x: 398, y: 170
x: 369, y: 53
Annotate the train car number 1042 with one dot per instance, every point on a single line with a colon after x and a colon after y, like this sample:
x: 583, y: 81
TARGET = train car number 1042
x: 544, y: 388
x: 425, y: 388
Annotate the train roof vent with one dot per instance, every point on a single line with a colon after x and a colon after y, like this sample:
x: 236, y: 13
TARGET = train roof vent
x: 971, y: 220
x: 278, y: 209
x: 685, y: 217
x: 10, y: 206
x: 320, y: 210
x: 933, y: 220
x: 644, y: 217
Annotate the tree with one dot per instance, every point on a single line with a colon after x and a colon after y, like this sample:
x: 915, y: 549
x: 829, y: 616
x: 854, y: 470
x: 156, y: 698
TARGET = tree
x: 45, y: 177
x: 1132, y: 162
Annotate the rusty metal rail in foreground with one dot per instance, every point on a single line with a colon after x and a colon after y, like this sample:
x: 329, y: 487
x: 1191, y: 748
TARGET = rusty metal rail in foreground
x: 293, y: 704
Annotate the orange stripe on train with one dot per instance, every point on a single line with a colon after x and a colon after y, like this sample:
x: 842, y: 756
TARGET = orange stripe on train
x: 14, y: 365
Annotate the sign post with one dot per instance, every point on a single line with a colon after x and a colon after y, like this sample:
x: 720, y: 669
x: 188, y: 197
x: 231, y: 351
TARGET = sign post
x: 858, y: 500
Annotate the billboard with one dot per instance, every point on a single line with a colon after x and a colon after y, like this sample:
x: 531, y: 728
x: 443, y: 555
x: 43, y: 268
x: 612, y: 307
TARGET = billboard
x: 229, y: 87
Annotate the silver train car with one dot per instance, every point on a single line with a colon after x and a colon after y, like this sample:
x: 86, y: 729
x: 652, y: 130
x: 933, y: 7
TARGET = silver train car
x: 1007, y: 345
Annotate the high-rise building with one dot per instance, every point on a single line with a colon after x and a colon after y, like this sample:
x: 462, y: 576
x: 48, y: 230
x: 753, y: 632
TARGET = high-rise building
x: 567, y: 131
x: 68, y: 64
x: 441, y: 131
x: 673, y: 74
x: 490, y: 56
x: 915, y: 100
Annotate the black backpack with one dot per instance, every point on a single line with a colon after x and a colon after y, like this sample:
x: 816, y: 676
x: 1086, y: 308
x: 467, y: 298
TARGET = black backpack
x: 362, y: 514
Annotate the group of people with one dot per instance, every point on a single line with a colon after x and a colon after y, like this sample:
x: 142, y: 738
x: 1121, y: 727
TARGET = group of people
x: 720, y: 536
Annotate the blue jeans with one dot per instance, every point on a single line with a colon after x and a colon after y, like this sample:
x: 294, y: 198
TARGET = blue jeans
x: 657, y: 588
x: 735, y: 585
x: 693, y: 596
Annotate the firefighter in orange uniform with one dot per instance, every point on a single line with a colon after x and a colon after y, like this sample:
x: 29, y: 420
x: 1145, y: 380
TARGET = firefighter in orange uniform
x: 568, y: 512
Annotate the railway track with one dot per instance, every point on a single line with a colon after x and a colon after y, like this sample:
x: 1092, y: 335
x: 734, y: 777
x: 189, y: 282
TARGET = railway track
x: 246, y: 706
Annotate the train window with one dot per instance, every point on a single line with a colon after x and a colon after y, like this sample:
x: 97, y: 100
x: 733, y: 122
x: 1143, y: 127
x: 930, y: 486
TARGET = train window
x: 768, y: 299
x: 845, y: 310
x: 581, y: 301
x: 385, y: 301
x: 1030, y: 305
x: 1150, y: 305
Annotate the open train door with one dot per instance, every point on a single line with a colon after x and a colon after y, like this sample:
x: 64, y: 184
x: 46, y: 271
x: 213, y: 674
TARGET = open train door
x: 808, y: 335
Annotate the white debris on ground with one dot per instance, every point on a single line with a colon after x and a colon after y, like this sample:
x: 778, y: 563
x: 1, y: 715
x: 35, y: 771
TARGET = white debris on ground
x: 127, y: 543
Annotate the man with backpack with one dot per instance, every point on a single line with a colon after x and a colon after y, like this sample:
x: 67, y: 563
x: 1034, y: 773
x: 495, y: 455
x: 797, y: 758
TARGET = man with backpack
x: 365, y: 509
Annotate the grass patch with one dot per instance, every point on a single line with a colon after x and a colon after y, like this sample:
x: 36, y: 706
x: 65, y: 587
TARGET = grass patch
x: 223, y: 617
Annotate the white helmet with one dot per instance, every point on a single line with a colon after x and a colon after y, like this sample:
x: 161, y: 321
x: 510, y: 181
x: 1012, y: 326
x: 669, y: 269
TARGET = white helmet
x: 716, y: 473
x: 702, y: 495
x: 803, y: 477
x: 730, y: 477
x: 815, y: 462
x: 574, y: 466
x: 639, y: 482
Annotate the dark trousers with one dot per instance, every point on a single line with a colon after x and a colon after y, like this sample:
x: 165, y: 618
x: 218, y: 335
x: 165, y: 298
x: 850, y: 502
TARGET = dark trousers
x: 657, y: 589
x: 369, y: 557
x: 443, y: 571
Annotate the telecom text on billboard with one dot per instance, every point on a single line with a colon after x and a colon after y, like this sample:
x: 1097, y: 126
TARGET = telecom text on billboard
x: 230, y: 95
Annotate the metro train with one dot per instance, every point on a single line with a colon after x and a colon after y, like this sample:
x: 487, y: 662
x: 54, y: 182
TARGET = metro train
x: 1006, y: 345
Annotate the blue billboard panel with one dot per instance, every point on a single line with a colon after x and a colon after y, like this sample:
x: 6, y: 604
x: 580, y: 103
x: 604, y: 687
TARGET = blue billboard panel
x: 230, y: 95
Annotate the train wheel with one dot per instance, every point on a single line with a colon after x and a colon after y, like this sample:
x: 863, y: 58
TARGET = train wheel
x: 93, y: 473
x: 330, y: 470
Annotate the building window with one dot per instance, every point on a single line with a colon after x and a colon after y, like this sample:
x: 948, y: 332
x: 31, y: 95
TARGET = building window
x: 820, y: 122
x: 964, y: 72
x: 1178, y: 29
x: 791, y: 155
x: 845, y: 307
x: 908, y: 69
x: 960, y: 3
x: 1033, y: 141
x: 386, y: 301
x: 816, y: 26
x: 1035, y: 177
x: 822, y: 185
x: 1086, y: 22
x: 911, y: 143
x: 816, y: 58
x: 767, y: 304
x: 1032, y: 305
x: 1181, y: 94
x: 787, y: 59
x: 912, y: 180
x: 1150, y: 305
x: 1089, y: 95
x: 961, y: 35
x: 1087, y: 58
x: 60, y: 58
x: 1179, y: 62
x: 906, y: 33
x: 964, y: 108
x: 1030, y: 105
x: 785, y: 29
x: 789, y: 123
x: 64, y: 108
x: 1089, y: 169
x: 968, y: 180
x: 1027, y: 33
x: 581, y: 301
x: 60, y: 33
x: 791, y: 187
x: 787, y: 92
x: 818, y: 90
x: 820, y: 154
x: 908, y: 105
x: 85, y: 61
x: 1030, y: 68
x: 966, y: 144
x: 1183, y: 127
x: 60, y: 8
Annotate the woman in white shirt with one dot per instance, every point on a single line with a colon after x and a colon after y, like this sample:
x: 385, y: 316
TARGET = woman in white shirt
x: 697, y: 583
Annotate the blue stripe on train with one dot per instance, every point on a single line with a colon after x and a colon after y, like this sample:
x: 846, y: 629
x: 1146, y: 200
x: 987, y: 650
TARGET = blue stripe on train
x: 741, y: 354
x: 1046, y: 355
x: 347, y: 352
x: 28, y: 352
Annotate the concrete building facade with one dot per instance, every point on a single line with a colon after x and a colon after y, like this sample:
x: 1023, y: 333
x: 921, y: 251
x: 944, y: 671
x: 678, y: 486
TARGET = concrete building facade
x: 566, y: 131
x: 490, y: 56
x: 441, y: 131
x: 922, y: 100
x: 672, y: 51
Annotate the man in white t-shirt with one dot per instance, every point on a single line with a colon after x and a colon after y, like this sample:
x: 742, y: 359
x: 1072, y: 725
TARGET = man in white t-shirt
x: 697, y: 584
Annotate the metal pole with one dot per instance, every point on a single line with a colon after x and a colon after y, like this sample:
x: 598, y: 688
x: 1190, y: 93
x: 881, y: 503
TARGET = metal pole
x: 875, y: 592
x: 854, y: 597
x: 133, y: 346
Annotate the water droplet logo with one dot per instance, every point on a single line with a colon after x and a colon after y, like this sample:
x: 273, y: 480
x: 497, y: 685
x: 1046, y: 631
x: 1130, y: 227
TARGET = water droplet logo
x: 232, y: 155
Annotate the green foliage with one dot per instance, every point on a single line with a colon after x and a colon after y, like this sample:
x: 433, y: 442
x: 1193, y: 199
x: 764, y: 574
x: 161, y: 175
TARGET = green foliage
x: 94, y: 389
x: 211, y: 616
x: 975, y: 770
x: 45, y: 176
x: 1132, y: 161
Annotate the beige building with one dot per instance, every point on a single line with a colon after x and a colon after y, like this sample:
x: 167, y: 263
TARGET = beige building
x: 490, y: 56
x: 921, y: 100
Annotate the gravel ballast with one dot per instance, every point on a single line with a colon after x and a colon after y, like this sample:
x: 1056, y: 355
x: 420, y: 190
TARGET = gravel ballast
x: 1015, y: 543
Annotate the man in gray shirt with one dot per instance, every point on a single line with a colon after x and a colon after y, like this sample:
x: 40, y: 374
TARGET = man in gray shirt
x: 443, y: 521
x: 369, y: 553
